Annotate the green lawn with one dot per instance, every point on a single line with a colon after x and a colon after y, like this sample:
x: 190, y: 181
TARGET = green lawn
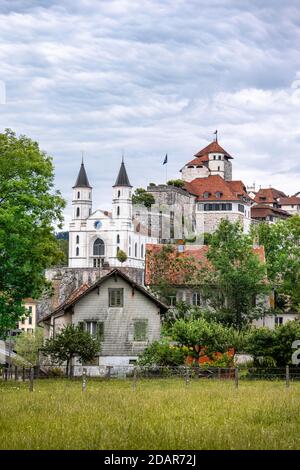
x: 158, y: 414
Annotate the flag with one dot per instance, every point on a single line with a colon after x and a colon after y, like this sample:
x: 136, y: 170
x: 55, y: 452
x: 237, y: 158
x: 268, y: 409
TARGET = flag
x: 166, y: 159
x: 216, y: 132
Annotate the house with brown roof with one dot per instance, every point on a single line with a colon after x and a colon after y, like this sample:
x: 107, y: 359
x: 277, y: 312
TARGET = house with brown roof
x: 123, y: 315
x: 267, y: 206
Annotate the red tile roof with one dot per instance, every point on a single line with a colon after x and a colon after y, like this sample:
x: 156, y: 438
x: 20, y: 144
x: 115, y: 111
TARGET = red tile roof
x: 199, y: 160
x: 211, y: 148
x: 261, y: 211
x: 268, y: 195
x: 230, y: 190
x: 196, y: 252
x: 286, y: 201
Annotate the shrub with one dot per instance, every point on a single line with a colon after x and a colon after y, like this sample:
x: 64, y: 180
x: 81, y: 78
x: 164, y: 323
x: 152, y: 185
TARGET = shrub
x: 161, y: 353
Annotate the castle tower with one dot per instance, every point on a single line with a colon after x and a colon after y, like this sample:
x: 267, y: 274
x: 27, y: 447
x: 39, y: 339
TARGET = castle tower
x: 122, y: 204
x: 82, y: 196
x: 211, y: 160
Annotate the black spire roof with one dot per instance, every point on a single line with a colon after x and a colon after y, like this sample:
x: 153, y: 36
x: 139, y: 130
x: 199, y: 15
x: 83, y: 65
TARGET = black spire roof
x: 122, y: 179
x: 82, y: 179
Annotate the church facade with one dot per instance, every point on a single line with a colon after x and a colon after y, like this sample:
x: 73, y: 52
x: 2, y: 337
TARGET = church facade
x: 96, y: 237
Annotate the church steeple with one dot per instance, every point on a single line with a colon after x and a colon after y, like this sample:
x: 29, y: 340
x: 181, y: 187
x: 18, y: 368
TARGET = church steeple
x: 122, y: 178
x: 82, y: 179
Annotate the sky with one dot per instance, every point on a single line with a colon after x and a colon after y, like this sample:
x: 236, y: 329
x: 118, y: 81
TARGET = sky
x: 148, y: 77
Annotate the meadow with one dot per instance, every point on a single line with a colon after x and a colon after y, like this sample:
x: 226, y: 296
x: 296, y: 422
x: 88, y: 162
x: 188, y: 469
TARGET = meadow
x: 157, y: 414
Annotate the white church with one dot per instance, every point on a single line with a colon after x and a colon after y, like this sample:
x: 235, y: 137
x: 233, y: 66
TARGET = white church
x: 95, y: 237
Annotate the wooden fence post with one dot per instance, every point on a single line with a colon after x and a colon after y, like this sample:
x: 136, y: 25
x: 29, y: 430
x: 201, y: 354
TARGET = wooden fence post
x: 31, y: 375
x: 287, y: 376
x: 23, y: 374
x: 84, y: 380
x: 134, y: 378
x: 186, y: 376
x: 236, y: 377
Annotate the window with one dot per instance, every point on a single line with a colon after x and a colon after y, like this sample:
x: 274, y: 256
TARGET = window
x: 118, y: 249
x: 215, y: 157
x: 77, y: 212
x: 119, y: 193
x: 218, y: 168
x: 30, y: 309
x: 92, y: 362
x: 219, y: 157
x: 98, y: 247
x: 206, y: 195
x: 135, y: 250
x: 241, y: 208
x: 77, y: 251
x: 89, y: 195
x: 118, y: 210
x: 129, y: 251
x: 23, y: 320
x: 91, y: 328
x: 90, y: 211
x: 278, y: 321
x: 96, y: 262
x: 218, y: 194
x: 215, y: 207
x: 190, y: 166
x: 78, y: 195
x: 118, y: 238
x: 30, y: 320
x: 115, y: 297
x: 140, y: 330
x: 142, y: 251
x: 196, y: 298
x: 77, y: 238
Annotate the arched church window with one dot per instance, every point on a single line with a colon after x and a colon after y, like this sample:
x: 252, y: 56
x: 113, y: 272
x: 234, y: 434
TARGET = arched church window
x: 77, y: 212
x: 142, y: 251
x: 78, y: 195
x: 77, y: 251
x: 118, y: 210
x: 89, y: 195
x: 118, y: 249
x: 77, y: 238
x: 135, y: 250
x: 119, y: 193
x: 98, y: 247
x: 118, y: 238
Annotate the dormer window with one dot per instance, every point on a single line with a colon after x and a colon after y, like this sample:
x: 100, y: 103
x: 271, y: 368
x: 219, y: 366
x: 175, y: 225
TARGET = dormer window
x: 218, y: 194
x: 199, y: 166
x: 220, y: 157
x: 190, y: 166
x: 206, y: 195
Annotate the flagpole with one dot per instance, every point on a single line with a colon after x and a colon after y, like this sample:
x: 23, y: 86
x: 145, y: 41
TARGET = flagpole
x: 166, y: 172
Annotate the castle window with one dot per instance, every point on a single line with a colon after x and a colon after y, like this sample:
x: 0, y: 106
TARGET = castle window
x: 219, y: 157
x: 89, y: 195
x: 135, y: 250
x: 77, y: 212
x: 190, y: 166
x: 129, y: 251
x: 78, y: 195
x: 215, y: 157
x: 119, y: 193
x: 199, y: 166
x: 241, y: 208
x: 118, y: 249
x: 77, y: 238
x: 98, y: 248
x: 77, y: 251
x: 118, y: 238
x: 218, y: 168
x: 142, y: 251
x: 118, y: 210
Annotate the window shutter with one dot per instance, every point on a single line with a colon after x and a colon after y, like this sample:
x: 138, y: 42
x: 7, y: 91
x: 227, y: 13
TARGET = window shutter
x: 100, y: 330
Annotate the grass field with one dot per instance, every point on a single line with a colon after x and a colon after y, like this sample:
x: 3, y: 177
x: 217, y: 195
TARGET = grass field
x: 158, y: 414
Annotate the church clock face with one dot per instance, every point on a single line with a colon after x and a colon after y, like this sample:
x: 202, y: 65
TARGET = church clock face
x: 98, y: 225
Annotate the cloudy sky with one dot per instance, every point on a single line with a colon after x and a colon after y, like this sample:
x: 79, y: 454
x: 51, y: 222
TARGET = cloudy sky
x: 150, y: 77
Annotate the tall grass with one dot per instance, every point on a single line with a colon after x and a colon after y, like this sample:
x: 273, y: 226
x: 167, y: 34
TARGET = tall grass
x: 158, y: 414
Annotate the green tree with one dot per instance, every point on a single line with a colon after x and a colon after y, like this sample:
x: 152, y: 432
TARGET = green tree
x: 238, y: 273
x: 143, y: 198
x: 282, y: 248
x: 27, y: 347
x: 161, y: 353
x: 29, y: 208
x: 64, y: 248
x: 121, y: 256
x: 71, y: 341
x: 203, y: 333
x: 177, y: 183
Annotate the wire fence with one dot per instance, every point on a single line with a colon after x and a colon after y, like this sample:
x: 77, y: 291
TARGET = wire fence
x: 135, y: 373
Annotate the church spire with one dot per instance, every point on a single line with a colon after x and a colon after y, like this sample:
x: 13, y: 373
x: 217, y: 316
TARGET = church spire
x: 82, y: 179
x: 122, y: 179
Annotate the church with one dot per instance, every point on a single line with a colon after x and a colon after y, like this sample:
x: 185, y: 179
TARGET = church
x: 96, y: 237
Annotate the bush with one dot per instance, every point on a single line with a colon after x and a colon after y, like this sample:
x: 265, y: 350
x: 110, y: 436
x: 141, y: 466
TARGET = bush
x: 161, y: 353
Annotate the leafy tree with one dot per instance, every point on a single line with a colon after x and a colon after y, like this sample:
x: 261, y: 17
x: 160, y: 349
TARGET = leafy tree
x: 71, y: 341
x: 143, y: 198
x: 64, y: 248
x: 29, y: 208
x: 203, y: 333
x: 27, y: 347
x: 177, y: 183
x: 161, y: 353
x: 282, y: 248
x: 260, y: 343
x: 237, y: 272
x: 121, y: 256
